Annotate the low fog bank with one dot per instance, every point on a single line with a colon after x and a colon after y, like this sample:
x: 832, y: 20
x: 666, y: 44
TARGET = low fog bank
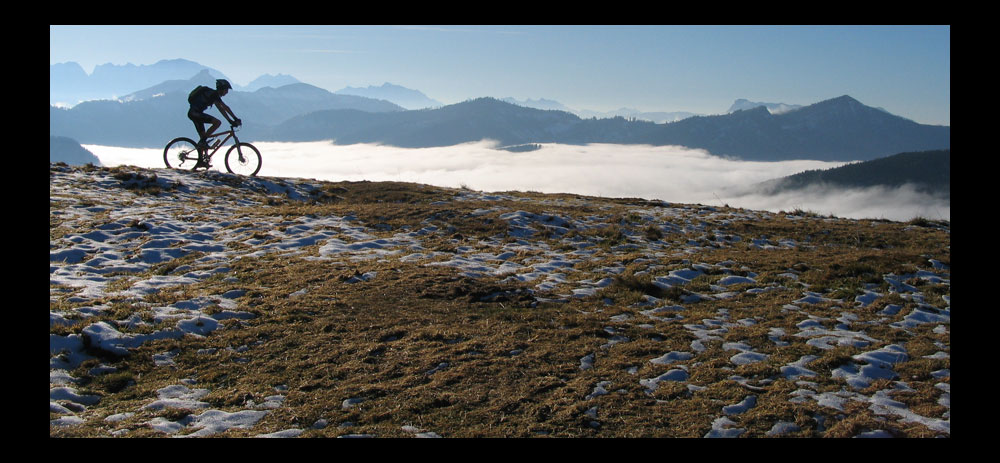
x: 668, y: 173
x: 899, y: 203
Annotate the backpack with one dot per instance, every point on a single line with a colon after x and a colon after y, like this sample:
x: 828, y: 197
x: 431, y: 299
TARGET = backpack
x: 197, y: 95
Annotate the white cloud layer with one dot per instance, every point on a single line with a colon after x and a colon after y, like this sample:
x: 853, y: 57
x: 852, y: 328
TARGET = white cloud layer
x: 669, y: 173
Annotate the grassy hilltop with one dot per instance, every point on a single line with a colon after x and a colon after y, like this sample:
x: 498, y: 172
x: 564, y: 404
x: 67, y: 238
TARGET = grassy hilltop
x: 210, y: 304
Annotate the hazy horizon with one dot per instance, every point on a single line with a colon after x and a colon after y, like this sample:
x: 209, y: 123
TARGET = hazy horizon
x: 669, y: 173
x: 698, y: 69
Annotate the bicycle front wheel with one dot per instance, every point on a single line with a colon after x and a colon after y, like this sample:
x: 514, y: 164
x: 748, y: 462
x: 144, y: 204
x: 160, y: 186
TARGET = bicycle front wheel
x: 243, y: 159
x: 180, y: 153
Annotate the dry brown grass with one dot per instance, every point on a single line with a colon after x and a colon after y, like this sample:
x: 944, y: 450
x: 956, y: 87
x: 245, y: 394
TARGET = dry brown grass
x: 512, y: 364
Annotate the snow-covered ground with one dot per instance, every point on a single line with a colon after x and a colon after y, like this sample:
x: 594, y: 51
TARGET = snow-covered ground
x: 118, y: 233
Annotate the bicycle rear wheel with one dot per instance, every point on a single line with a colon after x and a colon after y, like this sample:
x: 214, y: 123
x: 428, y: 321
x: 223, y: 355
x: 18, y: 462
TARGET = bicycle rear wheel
x: 180, y: 151
x: 243, y: 159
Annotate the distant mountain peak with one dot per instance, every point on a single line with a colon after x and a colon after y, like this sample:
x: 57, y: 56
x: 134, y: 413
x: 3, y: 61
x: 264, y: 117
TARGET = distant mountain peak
x: 274, y: 81
x: 744, y: 104
x: 845, y: 99
x: 402, y: 96
x: 847, y: 105
x: 177, y: 61
x: 69, y: 66
x: 540, y: 103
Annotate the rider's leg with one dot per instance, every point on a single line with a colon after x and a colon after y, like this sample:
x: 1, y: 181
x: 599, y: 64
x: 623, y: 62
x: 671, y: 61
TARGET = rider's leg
x: 203, y: 144
x: 202, y: 136
x: 199, y: 119
x: 211, y: 130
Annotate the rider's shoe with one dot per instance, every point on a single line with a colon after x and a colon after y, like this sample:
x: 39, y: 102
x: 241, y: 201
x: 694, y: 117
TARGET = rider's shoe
x: 201, y: 164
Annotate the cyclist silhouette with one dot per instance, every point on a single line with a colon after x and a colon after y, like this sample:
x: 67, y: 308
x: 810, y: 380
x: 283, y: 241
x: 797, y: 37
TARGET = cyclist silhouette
x: 200, y: 99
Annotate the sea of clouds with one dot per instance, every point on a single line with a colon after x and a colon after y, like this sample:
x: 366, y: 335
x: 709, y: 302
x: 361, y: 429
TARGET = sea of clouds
x: 669, y: 173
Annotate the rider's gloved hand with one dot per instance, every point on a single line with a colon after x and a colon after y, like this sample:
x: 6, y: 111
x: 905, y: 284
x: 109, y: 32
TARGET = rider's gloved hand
x: 237, y: 122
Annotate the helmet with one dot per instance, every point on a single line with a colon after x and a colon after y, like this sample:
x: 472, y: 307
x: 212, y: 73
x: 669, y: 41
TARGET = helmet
x: 222, y: 84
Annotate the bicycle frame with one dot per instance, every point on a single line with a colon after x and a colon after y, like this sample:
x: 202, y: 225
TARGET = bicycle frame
x: 231, y: 133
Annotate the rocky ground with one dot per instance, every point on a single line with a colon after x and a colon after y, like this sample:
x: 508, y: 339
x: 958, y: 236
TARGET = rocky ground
x: 196, y: 304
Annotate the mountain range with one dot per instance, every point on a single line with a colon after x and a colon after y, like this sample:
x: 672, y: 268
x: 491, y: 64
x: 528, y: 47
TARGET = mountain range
x: 148, y: 117
x: 839, y: 129
x: 69, y: 84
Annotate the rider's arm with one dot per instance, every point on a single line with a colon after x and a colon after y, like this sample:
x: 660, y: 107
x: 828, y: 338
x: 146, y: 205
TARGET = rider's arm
x: 226, y: 112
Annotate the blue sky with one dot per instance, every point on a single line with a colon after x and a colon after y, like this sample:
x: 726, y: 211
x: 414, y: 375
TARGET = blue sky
x: 701, y: 69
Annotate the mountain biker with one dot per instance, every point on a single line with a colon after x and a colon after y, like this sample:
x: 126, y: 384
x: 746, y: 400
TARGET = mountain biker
x: 201, y: 98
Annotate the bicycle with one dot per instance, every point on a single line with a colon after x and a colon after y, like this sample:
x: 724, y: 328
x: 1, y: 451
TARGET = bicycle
x: 246, y: 160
